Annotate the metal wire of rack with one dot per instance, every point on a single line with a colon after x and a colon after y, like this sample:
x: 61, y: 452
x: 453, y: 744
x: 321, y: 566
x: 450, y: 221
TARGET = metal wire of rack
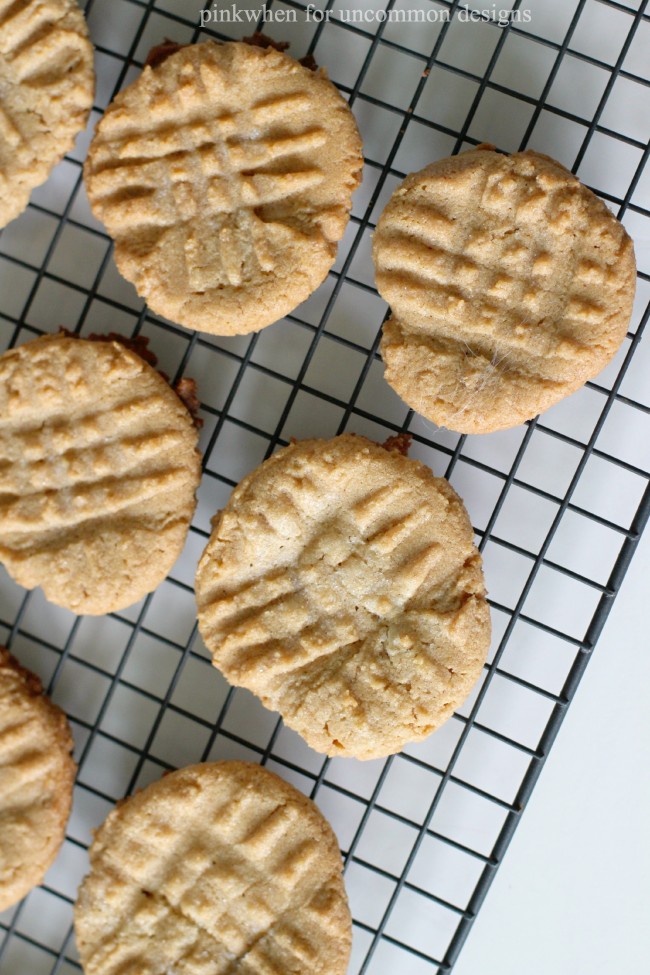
x: 422, y: 833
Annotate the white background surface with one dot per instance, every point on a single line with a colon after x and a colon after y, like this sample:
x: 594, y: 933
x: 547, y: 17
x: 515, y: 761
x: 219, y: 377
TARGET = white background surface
x: 571, y: 897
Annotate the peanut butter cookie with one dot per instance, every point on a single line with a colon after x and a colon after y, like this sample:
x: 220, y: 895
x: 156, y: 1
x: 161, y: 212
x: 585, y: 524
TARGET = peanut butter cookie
x: 215, y: 869
x: 225, y: 176
x: 341, y: 584
x: 510, y: 283
x: 36, y: 780
x: 47, y: 83
x: 98, y: 472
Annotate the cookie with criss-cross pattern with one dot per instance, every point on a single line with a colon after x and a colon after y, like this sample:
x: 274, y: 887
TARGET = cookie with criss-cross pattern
x: 510, y: 284
x: 47, y: 82
x: 98, y: 472
x: 341, y: 585
x: 215, y: 869
x: 36, y: 780
x: 225, y: 175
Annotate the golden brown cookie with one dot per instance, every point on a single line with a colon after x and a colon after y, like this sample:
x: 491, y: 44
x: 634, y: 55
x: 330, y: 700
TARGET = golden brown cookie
x: 98, y: 472
x: 36, y: 780
x: 510, y: 283
x: 225, y: 176
x: 47, y: 83
x: 341, y: 584
x: 215, y: 869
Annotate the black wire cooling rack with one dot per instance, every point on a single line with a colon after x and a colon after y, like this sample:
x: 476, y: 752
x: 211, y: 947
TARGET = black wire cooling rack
x: 558, y: 504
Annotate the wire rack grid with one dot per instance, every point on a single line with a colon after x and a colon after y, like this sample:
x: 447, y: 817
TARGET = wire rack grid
x: 558, y: 504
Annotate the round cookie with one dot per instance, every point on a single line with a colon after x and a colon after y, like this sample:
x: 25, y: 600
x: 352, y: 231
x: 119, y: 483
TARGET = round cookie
x: 213, y: 870
x: 47, y: 83
x: 98, y: 472
x: 510, y: 284
x: 36, y: 780
x: 225, y: 176
x: 342, y: 586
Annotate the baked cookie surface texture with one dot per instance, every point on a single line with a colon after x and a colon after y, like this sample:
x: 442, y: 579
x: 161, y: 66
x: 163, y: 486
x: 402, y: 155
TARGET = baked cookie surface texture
x: 341, y: 585
x: 98, y: 472
x: 510, y: 284
x: 225, y: 176
x: 47, y: 83
x: 36, y: 780
x: 217, y: 869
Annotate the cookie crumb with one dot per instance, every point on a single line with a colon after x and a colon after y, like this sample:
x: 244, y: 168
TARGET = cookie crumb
x: 159, y: 54
x: 309, y: 62
x: 258, y: 39
x: 401, y: 442
x: 186, y: 391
